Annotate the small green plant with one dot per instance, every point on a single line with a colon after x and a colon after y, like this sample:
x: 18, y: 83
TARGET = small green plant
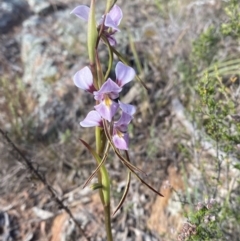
x: 232, y: 26
x: 202, y: 223
x: 204, y: 48
x: 215, y: 106
x: 213, y: 85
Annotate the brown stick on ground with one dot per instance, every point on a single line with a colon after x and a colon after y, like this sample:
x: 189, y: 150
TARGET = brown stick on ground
x: 29, y: 164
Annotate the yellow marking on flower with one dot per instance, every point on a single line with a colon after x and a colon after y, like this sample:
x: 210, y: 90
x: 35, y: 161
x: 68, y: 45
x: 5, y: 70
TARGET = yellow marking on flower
x: 108, y: 101
x: 120, y: 134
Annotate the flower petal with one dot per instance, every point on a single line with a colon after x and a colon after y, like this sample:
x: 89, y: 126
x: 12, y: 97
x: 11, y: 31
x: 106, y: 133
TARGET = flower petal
x: 82, y: 12
x: 107, y: 110
x: 112, y: 40
x: 121, y: 141
x: 129, y: 109
x: 93, y: 118
x: 83, y: 79
x: 122, y: 123
x: 114, y: 17
x: 110, y: 88
x: 124, y: 74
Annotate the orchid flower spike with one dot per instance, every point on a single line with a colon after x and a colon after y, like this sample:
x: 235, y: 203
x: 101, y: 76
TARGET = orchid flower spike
x: 112, y: 20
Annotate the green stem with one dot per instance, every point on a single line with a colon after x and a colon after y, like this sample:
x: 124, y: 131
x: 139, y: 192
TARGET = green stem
x: 108, y: 6
x: 103, y: 179
x: 107, y: 211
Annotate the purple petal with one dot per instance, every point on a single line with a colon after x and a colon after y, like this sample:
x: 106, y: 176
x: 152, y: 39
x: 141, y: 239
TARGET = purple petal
x: 122, y: 123
x: 92, y: 119
x: 83, y: 79
x: 121, y: 141
x: 114, y: 17
x: 82, y: 12
x: 107, y: 109
x: 112, y: 40
x: 129, y: 109
x: 124, y: 74
x: 109, y: 88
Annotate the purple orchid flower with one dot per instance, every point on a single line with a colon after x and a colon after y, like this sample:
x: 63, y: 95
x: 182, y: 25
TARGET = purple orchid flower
x: 92, y: 119
x: 83, y: 79
x: 112, y: 20
x: 124, y: 74
x: 110, y: 90
x: 106, y: 95
x: 120, y: 136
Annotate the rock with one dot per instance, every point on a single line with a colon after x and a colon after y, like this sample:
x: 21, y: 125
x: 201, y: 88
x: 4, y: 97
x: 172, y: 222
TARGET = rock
x: 12, y: 13
x: 47, y: 48
x: 50, y: 47
x: 37, y: 66
x: 44, y: 6
x: 39, y: 6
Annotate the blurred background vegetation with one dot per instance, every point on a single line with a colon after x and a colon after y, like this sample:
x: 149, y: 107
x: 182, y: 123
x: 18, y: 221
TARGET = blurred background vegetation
x: 185, y: 135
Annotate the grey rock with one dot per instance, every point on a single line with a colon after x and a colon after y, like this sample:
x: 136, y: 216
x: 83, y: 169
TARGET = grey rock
x: 12, y: 13
x: 39, y: 5
x: 47, y: 46
x: 50, y: 47
x: 44, y: 6
x: 37, y: 67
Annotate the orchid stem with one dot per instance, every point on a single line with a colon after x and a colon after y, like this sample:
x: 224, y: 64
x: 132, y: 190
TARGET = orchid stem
x: 103, y: 179
x: 107, y: 213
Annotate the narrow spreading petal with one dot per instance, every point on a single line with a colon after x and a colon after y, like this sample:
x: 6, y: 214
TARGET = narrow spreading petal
x: 93, y: 118
x: 124, y: 74
x: 109, y: 88
x: 129, y: 109
x: 107, y: 109
x: 82, y: 12
x: 83, y: 79
x: 121, y: 140
x: 114, y: 17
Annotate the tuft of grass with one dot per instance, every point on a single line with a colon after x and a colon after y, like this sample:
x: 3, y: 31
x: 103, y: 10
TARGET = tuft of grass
x: 16, y: 108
